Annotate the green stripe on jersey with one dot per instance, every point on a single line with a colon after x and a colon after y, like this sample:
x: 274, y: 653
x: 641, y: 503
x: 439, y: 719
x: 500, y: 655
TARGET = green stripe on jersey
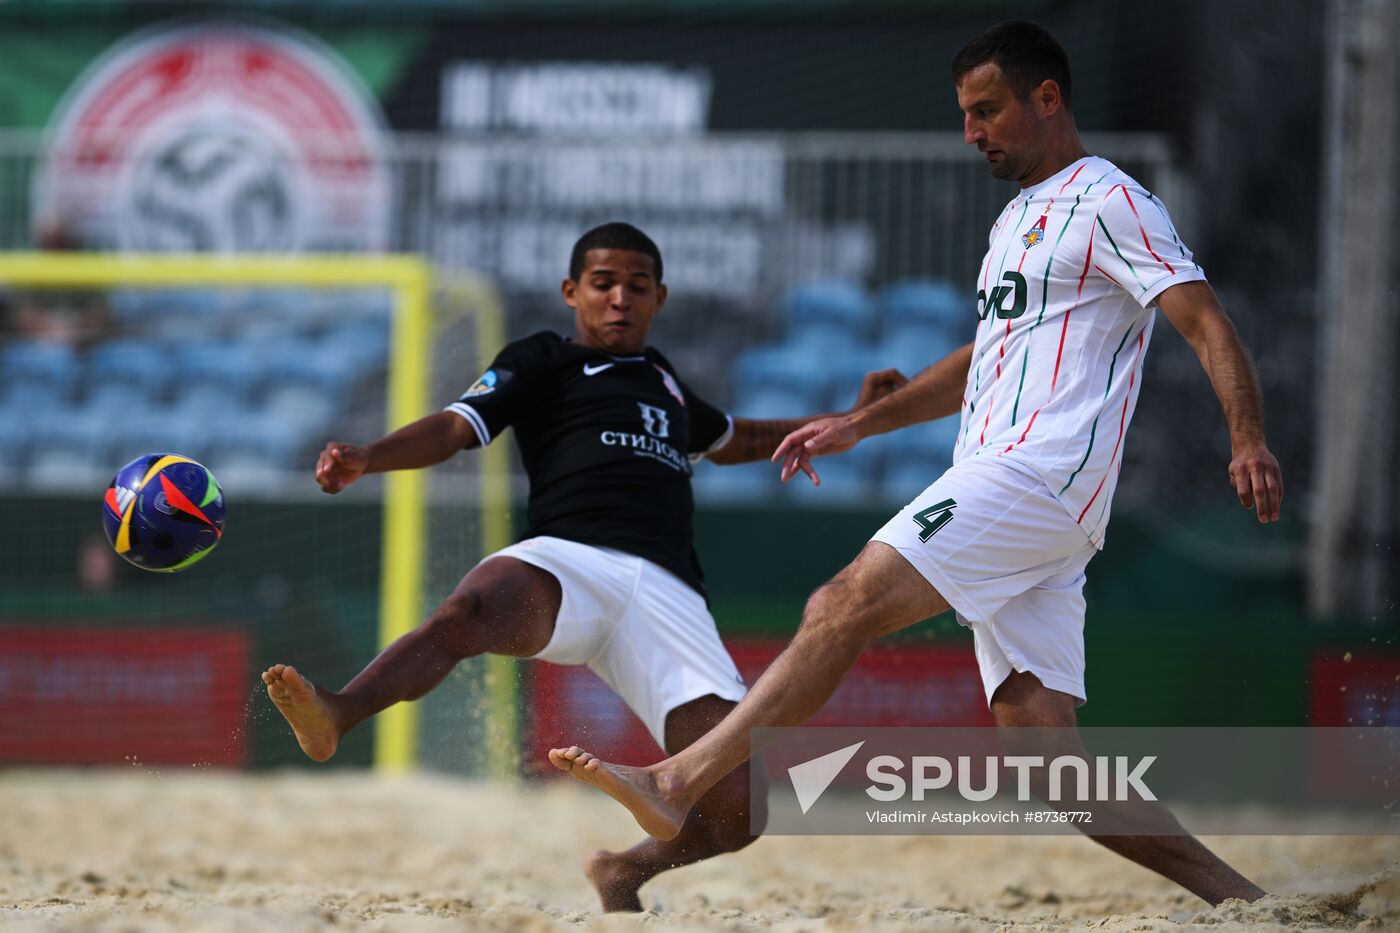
x: 1114, y: 244
x: 1093, y: 429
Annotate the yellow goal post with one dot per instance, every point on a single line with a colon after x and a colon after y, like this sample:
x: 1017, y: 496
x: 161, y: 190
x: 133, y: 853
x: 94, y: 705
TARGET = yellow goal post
x: 413, y: 285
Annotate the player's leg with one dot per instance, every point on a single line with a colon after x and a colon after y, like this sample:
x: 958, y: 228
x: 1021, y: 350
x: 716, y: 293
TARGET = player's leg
x: 1022, y: 702
x: 503, y: 606
x: 720, y: 822
x: 879, y: 592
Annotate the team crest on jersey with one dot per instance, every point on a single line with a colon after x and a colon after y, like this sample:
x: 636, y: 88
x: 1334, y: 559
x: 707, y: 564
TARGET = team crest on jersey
x: 490, y: 381
x: 1035, y: 234
x: 671, y: 385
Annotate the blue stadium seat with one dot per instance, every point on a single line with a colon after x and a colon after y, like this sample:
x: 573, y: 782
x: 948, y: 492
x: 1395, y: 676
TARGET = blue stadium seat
x: 913, y: 346
x: 138, y: 364
x: 781, y: 367
x: 311, y: 363
x: 741, y: 483
x: 363, y: 344
x: 837, y: 302
x: 55, y: 366
x: 932, y: 301
x: 773, y: 402
x: 310, y: 411
x: 229, y: 366
x: 906, y: 480
x: 847, y: 479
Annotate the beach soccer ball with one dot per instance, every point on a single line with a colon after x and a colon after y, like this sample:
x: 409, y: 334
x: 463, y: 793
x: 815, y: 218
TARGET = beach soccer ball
x: 163, y: 512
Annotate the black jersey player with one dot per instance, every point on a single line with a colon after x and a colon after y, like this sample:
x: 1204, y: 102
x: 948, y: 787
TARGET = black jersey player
x: 605, y: 574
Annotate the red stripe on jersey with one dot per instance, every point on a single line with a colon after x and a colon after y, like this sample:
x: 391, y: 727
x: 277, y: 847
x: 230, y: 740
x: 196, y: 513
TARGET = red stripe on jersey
x: 991, y: 402
x: 1088, y: 257
x: 1071, y: 178
x: 1143, y: 230
x: 1024, y: 433
x: 1106, y: 275
x: 1122, y: 426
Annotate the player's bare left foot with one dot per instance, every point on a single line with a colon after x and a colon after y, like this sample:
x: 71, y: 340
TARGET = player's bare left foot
x: 635, y: 788
x: 616, y: 881
x: 304, y: 709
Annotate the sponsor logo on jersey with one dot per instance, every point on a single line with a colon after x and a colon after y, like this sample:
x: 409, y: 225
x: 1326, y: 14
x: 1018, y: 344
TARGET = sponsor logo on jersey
x: 671, y: 384
x: 654, y: 420
x: 1035, y: 234
x: 590, y: 370
x: 490, y: 381
x: 644, y: 445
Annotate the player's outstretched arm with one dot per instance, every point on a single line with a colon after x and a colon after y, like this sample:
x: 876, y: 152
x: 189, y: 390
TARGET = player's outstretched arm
x: 756, y: 440
x: 934, y: 393
x: 423, y: 443
x: 1194, y: 310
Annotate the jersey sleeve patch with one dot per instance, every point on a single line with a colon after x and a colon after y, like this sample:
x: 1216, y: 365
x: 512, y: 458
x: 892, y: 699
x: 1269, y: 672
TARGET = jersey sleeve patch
x: 490, y: 381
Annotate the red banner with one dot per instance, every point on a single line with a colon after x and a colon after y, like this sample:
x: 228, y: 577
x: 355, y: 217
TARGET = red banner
x: 1361, y: 691
x: 144, y: 696
x: 888, y: 686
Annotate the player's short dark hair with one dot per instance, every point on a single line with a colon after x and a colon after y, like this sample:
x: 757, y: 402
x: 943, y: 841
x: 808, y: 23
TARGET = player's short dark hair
x: 615, y: 235
x: 1026, y: 54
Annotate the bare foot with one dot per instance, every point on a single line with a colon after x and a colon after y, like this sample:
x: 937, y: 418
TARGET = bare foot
x: 635, y: 788
x: 300, y: 702
x: 616, y: 883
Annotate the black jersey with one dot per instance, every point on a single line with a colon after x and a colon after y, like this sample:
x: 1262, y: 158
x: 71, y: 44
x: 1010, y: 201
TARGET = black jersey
x: 607, y: 442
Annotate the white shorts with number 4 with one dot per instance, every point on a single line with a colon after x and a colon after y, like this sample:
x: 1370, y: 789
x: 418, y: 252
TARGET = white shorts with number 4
x: 638, y: 626
x: 1000, y: 548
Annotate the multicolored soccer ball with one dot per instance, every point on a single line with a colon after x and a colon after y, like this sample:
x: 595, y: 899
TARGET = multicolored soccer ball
x: 163, y: 512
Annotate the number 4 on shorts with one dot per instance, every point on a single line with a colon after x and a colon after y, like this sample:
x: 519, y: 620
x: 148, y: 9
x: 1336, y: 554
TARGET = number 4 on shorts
x: 934, y: 517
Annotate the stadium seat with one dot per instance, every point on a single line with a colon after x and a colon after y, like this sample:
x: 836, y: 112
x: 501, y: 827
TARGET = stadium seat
x: 913, y: 346
x: 741, y: 483
x: 305, y: 408
x: 931, y: 301
x: 229, y: 366
x: 847, y: 479
x: 138, y: 364
x: 315, y: 364
x: 363, y: 344
x: 781, y: 367
x: 772, y: 402
x: 55, y: 366
x: 836, y: 302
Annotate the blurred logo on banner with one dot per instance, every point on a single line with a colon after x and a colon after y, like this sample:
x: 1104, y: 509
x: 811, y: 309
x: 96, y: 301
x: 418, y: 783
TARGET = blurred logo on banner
x: 216, y: 136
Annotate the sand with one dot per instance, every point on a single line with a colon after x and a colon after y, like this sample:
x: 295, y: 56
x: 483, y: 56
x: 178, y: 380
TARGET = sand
x: 297, y: 851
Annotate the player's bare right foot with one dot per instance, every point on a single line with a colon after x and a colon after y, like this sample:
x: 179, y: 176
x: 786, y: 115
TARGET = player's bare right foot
x: 637, y: 789
x: 304, y: 709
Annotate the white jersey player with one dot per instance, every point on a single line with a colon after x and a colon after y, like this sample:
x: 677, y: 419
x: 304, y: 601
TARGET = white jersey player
x: 1065, y: 299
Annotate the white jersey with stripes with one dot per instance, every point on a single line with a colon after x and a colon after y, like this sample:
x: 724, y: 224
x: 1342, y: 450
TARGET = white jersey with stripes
x: 1064, y: 300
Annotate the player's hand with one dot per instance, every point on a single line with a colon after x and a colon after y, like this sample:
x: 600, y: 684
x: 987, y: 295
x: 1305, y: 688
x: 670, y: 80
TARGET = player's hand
x: 340, y: 465
x: 1257, y: 480
x: 879, y: 384
x: 818, y: 438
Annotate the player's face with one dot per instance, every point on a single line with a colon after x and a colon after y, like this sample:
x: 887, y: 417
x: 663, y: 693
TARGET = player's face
x: 614, y: 300
x: 1011, y: 133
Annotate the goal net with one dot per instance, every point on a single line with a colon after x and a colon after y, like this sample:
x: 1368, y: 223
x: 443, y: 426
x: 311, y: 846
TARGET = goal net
x: 248, y: 365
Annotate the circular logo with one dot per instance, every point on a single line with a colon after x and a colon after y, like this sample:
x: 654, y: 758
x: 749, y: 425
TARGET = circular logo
x: 217, y: 136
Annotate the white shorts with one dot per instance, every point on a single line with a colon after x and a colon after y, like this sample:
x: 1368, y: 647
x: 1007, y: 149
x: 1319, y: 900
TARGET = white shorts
x: 998, y: 546
x: 636, y: 625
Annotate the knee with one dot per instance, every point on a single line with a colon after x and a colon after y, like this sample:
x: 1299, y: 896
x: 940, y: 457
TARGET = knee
x: 835, y: 611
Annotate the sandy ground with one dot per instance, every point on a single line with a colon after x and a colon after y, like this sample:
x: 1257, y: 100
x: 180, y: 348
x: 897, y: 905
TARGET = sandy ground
x: 103, y: 850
